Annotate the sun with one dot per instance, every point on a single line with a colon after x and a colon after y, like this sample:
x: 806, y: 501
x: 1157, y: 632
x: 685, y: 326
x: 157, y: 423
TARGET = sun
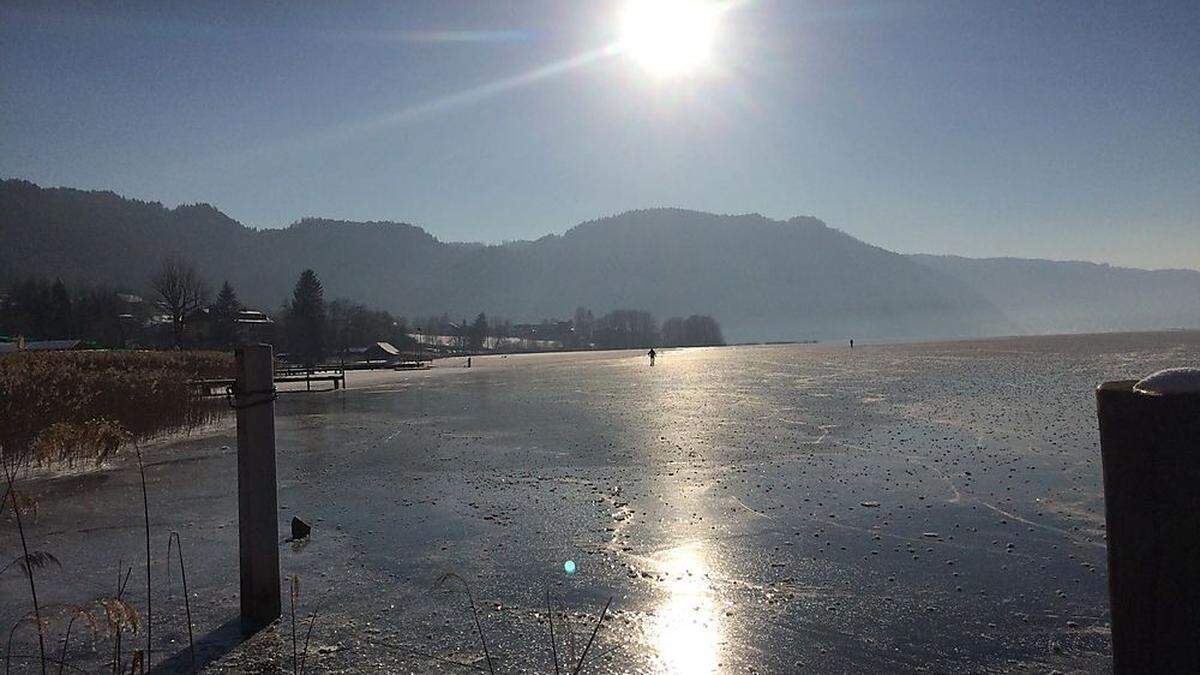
x: 669, y: 37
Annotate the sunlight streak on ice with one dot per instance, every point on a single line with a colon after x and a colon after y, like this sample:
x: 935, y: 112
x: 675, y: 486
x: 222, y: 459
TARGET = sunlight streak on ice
x: 688, y: 630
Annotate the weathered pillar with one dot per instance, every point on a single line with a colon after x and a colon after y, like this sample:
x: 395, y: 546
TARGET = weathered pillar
x: 1150, y: 445
x: 258, y: 519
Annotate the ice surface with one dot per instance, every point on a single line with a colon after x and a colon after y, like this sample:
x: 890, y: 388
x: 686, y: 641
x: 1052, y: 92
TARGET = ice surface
x: 770, y: 508
x: 1170, y: 381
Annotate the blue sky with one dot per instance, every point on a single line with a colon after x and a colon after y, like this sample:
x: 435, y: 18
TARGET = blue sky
x: 1043, y: 129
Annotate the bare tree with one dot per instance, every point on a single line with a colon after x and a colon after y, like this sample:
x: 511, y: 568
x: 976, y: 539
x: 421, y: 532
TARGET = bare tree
x: 181, y: 290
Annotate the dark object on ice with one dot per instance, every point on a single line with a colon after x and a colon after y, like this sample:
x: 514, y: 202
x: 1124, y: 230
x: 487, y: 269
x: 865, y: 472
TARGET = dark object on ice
x: 300, y: 529
x: 1151, y: 455
x: 651, y: 354
x: 851, y: 343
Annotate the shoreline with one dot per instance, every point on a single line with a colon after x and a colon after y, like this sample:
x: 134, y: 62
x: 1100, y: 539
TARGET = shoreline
x: 841, y: 342
x: 387, y: 378
x: 127, y: 453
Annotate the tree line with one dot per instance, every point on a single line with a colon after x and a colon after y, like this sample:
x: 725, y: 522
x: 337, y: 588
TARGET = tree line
x: 618, y: 329
x: 183, y: 313
x: 632, y: 328
x: 37, y: 309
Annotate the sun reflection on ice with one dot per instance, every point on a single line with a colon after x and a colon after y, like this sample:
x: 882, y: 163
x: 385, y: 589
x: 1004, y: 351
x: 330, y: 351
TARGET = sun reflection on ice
x: 688, y: 627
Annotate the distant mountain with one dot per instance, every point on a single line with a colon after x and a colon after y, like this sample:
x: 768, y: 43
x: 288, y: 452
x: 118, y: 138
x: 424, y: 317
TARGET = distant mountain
x: 762, y: 279
x: 99, y: 237
x: 1047, y: 296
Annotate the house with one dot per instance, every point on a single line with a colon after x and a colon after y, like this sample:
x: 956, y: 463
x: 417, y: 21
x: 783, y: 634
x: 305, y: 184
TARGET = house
x: 206, y: 327
x: 383, y: 351
x: 253, y: 326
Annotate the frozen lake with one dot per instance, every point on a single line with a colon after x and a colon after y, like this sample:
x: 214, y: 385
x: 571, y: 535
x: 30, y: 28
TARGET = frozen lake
x: 773, y: 508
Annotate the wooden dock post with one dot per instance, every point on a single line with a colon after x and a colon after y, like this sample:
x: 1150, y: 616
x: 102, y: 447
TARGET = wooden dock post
x: 1151, y: 455
x: 258, y: 518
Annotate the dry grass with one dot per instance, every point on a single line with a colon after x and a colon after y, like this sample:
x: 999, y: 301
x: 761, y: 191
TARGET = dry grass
x: 64, y: 406
x: 299, y: 656
x: 173, y: 537
x: 68, y: 406
x: 28, y: 563
x: 448, y: 576
x: 569, y: 640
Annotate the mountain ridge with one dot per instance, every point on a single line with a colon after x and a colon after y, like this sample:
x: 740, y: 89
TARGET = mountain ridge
x: 764, y: 279
x: 1087, y: 296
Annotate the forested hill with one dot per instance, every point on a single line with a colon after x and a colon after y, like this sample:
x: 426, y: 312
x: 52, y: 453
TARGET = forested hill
x: 762, y: 279
x: 99, y: 237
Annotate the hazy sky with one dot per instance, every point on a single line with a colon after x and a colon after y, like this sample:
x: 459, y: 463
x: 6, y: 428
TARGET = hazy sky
x: 1049, y: 129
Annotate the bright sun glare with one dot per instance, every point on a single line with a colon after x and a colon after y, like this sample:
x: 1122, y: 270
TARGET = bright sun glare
x: 669, y: 37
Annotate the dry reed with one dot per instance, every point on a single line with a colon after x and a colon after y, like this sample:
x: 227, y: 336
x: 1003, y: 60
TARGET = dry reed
x: 299, y: 656
x: 474, y: 614
x: 187, y: 603
x: 63, y: 406
x: 28, y: 562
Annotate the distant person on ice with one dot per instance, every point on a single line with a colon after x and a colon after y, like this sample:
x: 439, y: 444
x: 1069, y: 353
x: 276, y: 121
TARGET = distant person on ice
x: 851, y: 343
x: 651, y: 354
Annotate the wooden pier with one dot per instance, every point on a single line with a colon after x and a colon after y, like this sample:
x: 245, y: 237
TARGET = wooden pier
x: 220, y: 386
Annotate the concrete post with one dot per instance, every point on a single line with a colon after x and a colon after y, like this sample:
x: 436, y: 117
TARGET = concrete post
x: 1150, y: 446
x: 258, y: 519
